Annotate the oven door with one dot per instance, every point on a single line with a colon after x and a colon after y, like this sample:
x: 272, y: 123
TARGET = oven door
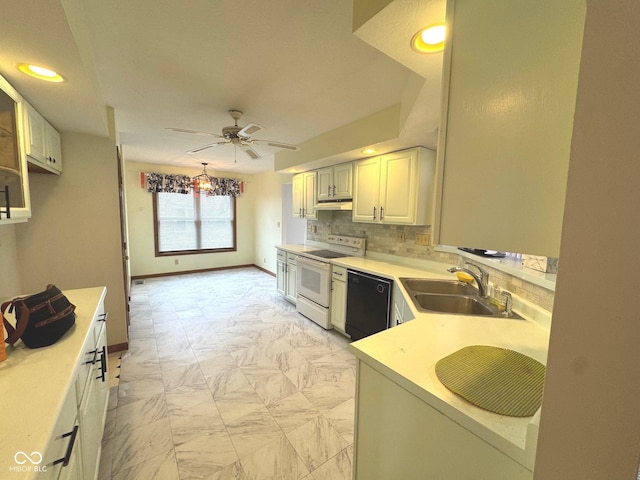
x: 313, y: 280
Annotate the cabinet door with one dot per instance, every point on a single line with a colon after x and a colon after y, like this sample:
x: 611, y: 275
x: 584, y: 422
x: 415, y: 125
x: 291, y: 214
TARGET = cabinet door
x: 93, y: 410
x: 53, y: 155
x: 338, y: 304
x: 398, y: 185
x: 61, y: 439
x: 35, y: 134
x: 310, y: 195
x: 400, y: 436
x: 281, y: 277
x: 291, y: 290
x: 343, y: 181
x: 506, y: 130
x: 73, y: 471
x: 297, y: 194
x: 325, y: 183
x: 366, y: 190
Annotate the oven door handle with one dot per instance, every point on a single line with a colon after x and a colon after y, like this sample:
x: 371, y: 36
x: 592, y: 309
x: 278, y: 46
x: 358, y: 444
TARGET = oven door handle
x: 312, y: 262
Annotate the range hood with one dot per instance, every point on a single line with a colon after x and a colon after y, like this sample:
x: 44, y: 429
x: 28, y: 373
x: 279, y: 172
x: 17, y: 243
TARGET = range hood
x: 334, y: 205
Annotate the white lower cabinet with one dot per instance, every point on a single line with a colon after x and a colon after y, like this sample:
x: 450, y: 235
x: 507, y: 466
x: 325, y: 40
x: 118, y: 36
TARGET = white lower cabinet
x: 401, y: 311
x: 63, y: 440
x: 398, y: 435
x: 281, y: 271
x: 339, y: 298
x: 85, y: 411
x: 291, y: 288
x: 93, y: 409
x: 286, y: 275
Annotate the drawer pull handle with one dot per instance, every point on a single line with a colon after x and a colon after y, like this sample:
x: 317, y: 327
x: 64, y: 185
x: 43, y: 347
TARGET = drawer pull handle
x: 103, y: 317
x: 103, y: 365
x: 67, y: 456
x: 94, y: 353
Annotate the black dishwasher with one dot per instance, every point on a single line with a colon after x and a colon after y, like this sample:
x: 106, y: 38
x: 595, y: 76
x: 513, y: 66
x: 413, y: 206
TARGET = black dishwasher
x: 368, y: 304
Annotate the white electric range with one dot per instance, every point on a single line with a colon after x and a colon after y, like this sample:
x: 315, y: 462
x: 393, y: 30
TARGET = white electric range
x: 313, y: 276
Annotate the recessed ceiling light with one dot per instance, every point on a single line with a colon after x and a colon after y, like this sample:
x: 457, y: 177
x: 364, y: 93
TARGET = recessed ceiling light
x: 369, y: 151
x: 429, y: 39
x: 40, y: 73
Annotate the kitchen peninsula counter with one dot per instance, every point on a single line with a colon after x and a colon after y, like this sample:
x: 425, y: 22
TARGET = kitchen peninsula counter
x: 406, y: 355
x: 38, y: 386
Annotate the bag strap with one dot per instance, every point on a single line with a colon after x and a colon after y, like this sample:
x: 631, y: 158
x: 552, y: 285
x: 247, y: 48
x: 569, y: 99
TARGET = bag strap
x: 14, y: 334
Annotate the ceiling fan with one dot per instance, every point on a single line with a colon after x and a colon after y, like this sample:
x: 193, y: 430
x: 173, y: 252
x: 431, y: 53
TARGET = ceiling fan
x: 237, y: 136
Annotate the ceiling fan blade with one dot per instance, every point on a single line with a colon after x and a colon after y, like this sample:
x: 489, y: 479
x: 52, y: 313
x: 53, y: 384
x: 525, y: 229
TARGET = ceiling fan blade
x: 204, y: 147
x: 273, y: 143
x: 194, y: 132
x: 251, y: 153
x: 250, y: 129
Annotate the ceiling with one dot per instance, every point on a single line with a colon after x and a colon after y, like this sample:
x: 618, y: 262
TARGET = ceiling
x: 298, y: 67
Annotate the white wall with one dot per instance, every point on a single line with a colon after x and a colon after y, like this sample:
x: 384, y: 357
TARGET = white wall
x: 590, y: 425
x: 73, y: 237
x: 10, y: 273
x: 268, y: 217
x: 294, y: 229
x: 141, y: 236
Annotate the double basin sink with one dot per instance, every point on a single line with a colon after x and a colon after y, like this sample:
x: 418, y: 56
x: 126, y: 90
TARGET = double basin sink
x: 449, y: 296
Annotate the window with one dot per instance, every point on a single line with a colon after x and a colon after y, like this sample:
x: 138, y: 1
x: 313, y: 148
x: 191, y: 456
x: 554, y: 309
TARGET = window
x: 185, y: 224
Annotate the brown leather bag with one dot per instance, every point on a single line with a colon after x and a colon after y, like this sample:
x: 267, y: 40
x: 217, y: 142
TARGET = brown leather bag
x: 41, y: 319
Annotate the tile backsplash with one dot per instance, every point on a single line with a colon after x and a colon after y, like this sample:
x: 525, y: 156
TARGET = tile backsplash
x: 383, y: 239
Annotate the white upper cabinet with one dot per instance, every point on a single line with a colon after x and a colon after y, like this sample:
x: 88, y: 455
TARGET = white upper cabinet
x: 304, y: 195
x: 396, y: 188
x: 509, y: 88
x: 335, y: 183
x: 42, y: 143
x: 13, y: 164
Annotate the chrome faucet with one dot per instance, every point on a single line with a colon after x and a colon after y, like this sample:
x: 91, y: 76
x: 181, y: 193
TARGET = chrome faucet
x: 482, y: 280
x: 508, y: 304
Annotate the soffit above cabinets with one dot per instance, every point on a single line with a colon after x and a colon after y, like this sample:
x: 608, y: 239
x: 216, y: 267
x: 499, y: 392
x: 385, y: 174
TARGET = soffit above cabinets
x: 388, y: 26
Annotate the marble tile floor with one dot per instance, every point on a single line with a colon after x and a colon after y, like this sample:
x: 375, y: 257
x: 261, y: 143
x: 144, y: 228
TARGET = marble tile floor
x: 224, y: 380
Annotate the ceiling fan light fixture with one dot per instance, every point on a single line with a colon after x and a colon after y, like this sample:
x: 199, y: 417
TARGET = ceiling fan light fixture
x: 41, y: 73
x: 238, y: 137
x: 429, y: 39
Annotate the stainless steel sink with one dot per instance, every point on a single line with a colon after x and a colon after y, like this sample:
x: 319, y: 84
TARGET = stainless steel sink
x: 449, y: 296
x: 456, y: 304
x: 445, y: 287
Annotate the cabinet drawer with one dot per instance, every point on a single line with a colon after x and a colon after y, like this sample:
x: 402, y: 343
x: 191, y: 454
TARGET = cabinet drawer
x: 339, y: 273
x: 292, y: 258
x: 64, y: 437
x: 281, y: 255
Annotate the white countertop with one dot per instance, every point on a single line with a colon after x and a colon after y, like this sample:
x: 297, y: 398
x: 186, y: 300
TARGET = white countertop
x: 407, y: 354
x: 34, y: 383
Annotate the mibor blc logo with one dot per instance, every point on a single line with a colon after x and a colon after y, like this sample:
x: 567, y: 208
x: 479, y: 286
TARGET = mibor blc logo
x: 26, y: 462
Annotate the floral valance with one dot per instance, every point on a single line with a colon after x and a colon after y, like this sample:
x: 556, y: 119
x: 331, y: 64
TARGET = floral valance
x: 175, y: 183
x: 224, y: 186
x: 168, y: 183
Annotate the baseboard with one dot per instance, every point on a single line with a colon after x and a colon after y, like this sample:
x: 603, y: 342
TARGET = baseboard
x: 119, y: 347
x: 185, y: 272
x: 265, y: 270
